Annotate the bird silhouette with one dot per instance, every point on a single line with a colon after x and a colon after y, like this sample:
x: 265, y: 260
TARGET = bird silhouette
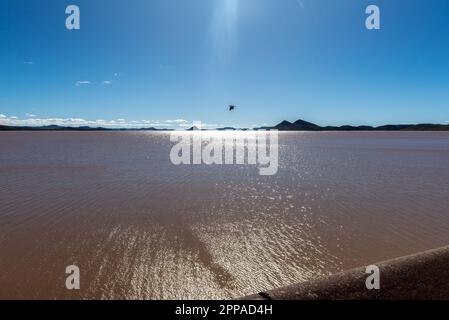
x: 232, y: 108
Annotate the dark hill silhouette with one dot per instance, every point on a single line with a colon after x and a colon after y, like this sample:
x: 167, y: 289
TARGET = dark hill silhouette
x: 84, y: 128
x: 307, y: 126
x: 302, y: 125
x: 299, y: 125
x: 195, y: 128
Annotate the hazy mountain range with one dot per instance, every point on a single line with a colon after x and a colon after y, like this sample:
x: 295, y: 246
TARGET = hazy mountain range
x: 299, y: 125
x: 84, y: 128
x: 302, y: 125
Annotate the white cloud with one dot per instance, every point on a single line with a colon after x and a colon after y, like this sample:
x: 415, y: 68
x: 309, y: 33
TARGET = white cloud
x: 177, y: 121
x: 203, y: 125
x: 83, y: 82
x: 28, y: 63
x: 30, y: 115
x: 107, y: 82
x: 118, y: 123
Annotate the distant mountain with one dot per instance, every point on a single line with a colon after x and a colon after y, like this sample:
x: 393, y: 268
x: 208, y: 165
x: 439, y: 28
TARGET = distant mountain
x: 299, y: 125
x: 302, y: 125
x: 348, y: 128
x: 428, y: 127
x: 285, y: 126
x: 84, y: 128
x: 226, y: 129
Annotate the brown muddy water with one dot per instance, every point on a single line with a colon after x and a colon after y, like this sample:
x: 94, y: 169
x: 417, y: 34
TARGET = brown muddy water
x: 139, y: 227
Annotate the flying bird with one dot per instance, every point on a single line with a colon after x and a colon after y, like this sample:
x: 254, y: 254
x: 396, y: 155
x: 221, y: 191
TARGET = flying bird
x: 232, y: 108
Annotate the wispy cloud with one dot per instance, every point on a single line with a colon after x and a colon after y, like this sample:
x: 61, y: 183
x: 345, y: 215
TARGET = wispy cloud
x: 28, y: 63
x: 30, y: 115
x: 178, y: 121
x: 107, y: 82
x: 79, y: 122
x: 83, y: 82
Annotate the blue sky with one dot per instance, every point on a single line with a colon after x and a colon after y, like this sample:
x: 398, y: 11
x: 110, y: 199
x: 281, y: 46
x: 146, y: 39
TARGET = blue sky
x: 165, y: 62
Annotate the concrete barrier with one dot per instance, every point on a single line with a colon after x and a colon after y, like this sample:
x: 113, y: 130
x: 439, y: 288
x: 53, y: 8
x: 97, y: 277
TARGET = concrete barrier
x: 421, y: 276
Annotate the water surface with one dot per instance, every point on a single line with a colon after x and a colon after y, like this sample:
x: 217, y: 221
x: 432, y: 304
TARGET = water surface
x: 137, y: 226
